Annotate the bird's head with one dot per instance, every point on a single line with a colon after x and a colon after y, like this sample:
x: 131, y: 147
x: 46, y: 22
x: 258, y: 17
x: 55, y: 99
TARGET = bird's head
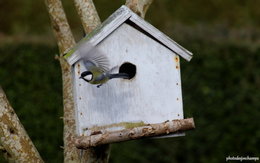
x: 86, y: 75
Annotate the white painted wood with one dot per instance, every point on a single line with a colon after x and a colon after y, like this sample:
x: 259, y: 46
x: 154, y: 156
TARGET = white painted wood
x: 152, y: 96
x: 113, y: 22
x: 178, y: 49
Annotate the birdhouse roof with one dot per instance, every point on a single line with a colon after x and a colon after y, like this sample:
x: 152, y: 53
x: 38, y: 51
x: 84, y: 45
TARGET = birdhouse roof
x: 125, y: 15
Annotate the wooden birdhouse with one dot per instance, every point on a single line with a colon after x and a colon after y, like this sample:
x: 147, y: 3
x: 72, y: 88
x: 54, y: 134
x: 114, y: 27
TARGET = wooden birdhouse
x: 151, y: 96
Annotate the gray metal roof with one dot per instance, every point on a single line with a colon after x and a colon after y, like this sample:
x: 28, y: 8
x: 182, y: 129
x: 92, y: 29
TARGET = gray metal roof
x: 120, y: 16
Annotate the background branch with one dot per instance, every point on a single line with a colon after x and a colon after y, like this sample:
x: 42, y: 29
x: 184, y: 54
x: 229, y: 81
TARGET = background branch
x: 88, y: 14
x: 14, y: 141
x: 60, y: 25
x: 140, y: 7
x: 65, y: 41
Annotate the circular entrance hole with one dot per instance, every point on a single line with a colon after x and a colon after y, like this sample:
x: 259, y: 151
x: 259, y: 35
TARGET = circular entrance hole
x: 129, y: 69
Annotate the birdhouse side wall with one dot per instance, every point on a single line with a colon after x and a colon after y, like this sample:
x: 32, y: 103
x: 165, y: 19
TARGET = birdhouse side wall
x: 152, y: 96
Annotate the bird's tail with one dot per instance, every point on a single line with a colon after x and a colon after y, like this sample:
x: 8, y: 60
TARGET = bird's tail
x: 119, y: 75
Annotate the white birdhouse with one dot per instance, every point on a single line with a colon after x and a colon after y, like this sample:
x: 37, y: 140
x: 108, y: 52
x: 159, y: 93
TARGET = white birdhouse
x: 152, y: 94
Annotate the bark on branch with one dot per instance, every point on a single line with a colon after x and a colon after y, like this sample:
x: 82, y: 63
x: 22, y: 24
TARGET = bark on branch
x: 84, y: 142
x: 15, y: 143
x: 65, y: 41
x: 60, y: 25
x: 140, y: 7
x: 88, y: 14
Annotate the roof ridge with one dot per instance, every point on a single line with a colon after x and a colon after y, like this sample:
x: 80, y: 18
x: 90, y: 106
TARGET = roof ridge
x: 113, y: 22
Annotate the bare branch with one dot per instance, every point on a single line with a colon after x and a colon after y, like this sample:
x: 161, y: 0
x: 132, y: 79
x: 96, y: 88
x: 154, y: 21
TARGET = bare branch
x: 139, y: 6
x: 15, y: 143
x: 88, y: 14
x: 60, y: 25
x: 71, y: 154
x: 84, y: 142
x: 65, y: 41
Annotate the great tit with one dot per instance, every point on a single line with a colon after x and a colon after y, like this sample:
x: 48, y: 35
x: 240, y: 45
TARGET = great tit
x: 97, y: 71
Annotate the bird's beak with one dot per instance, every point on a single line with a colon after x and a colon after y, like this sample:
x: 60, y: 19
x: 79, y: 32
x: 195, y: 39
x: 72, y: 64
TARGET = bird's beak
x: 80, y: 77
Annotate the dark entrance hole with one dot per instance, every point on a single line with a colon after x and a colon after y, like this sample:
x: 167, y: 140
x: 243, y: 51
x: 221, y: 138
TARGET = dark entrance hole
x: 128, y: 68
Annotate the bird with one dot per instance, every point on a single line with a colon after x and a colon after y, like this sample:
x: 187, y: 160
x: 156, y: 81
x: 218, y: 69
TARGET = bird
x: 97, y: 68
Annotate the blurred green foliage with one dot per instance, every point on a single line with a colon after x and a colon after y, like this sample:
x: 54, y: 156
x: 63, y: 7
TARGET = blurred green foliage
x: 31, y: 16
x: 31, y: 78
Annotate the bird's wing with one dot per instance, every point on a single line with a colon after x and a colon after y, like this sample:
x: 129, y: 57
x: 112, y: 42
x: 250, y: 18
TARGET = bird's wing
x: 94, y: 57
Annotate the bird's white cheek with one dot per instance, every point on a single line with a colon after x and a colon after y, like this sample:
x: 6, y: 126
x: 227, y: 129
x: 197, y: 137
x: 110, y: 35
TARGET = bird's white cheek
x: 88, y: 77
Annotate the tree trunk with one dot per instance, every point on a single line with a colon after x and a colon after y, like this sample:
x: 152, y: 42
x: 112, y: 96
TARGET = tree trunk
x: 15, y: 143
x: 65, y: 41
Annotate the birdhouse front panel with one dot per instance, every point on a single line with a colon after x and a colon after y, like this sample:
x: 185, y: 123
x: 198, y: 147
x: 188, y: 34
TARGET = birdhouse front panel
x: 152, y: 95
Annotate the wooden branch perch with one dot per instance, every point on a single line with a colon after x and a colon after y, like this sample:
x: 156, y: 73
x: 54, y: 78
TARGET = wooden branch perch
x: 140, y: 7
x: 15, y: 143
x: 84, y: 142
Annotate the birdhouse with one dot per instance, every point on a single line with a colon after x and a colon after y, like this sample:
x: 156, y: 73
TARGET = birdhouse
x: 151, y: 95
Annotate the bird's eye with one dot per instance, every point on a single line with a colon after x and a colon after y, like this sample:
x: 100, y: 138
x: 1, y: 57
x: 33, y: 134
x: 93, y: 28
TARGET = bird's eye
x: 88, y: 77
